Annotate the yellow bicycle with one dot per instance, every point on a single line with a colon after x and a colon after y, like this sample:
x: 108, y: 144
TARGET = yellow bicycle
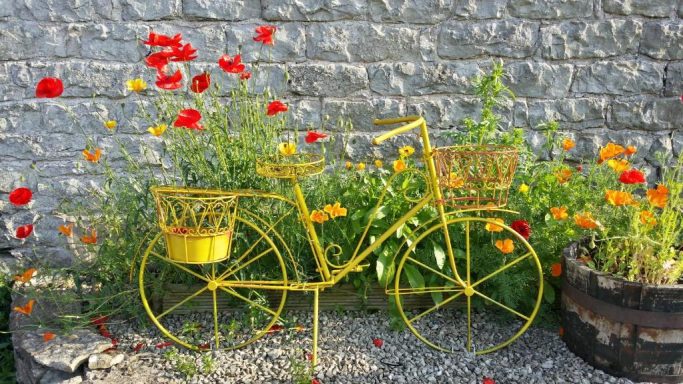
x: 235, y: 260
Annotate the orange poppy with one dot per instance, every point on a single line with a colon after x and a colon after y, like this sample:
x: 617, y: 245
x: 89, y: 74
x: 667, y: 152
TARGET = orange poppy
x: 648, y: 218
x: 491, y: 227
x: 66, y: 230
x: 659, y: 196
x: 90, y: 239
x: 619, y: 165
x: 563, y: 175
x: 556, y: 270
x: 559, y: 213
x: 92, y: 157
x: 630, y: 150
x: 399, y: 165
x: 47, y: 336
x: 505, y: 246
x: 26, y: 276
x: 585, y: 220
x: 335, y: 210
x: 619, y: 198
x: 568, y: 144
x: 26, y: 309
x: 609, y: 151
x: 319, y: 217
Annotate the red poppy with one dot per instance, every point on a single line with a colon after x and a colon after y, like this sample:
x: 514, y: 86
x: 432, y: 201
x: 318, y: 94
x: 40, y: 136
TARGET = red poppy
x: 184, y: 53
x: 522, y: 227
x: 24, y: 231
x: 20, y: 196
x: 231, y: 64
x: 315, y: 381
x: 163, y: 345
x: 204, y: 346
x: 276, y: 107
x: 488, y: 380
x: 632, y: 176
x: 159, y: 40
x: 99, y: 320
x: 200, y: 82
x: 189, y: 118
x: 308, y: 356
x: 313, y: 136
x: 264, y: 34
x: 276, y: 328
x: 158, y: 60
x: 246, y: 75
x: 49, y: 87
x: 378, y: 342
x: 579, y: 168
x: 138, y: 347
x: 47, y: 336
x: 169, y: 83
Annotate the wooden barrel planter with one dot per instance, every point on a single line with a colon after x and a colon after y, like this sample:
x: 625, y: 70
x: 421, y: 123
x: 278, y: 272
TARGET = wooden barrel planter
x: 623, y: 328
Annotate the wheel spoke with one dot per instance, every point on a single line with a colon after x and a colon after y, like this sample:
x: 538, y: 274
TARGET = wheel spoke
x: 251, y: 302
x: 467, y: 251
x: 179, y: 266
x: 215, y: 318
x: 418, y: 291
x: 502, y: 269
x: 502, y: 305
x: 231, y: 272
x: 433, y: 270
x: 469, y: 323
x: 181, y: 303
x: 434, y: 308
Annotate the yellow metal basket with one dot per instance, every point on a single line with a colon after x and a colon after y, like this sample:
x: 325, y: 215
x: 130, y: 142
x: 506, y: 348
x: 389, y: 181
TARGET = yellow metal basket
x: 475, y: 176
x: 197, y: 223
x: 293, y: 166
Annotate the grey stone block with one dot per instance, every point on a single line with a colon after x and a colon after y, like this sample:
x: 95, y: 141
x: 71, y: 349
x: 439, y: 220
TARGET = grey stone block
x: 362, y: 42
x: 674, y: 79
x: 290, y: 43
x: 663, y: 40
x: 148, y: 10
x: 116, y: 42
x: 459, y: 40
x: 221, y: 10
x: 647, y: 8
x: 582, y: 40
x: 410, y: 11
x: 314, y: 10
x: 52, y: 10
x: 677, y: 142
x: 446, y: 113
x: 572, y: 114
x: 534, y: 79
x: 550, y: 9
x: 342, y: 80
x: 647, y: 113
x: 360, y: 113
x: 28, y: 40
x: 421, y: 79
x: 474, y: 9
x: 304, y: 114
x: 619, y: 77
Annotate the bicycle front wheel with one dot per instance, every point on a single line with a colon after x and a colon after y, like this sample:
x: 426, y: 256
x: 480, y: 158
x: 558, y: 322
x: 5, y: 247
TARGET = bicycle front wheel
x: 216, y: 306
x: 490, y: 301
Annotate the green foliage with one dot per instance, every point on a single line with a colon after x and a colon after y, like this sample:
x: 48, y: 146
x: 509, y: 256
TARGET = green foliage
x: 7, y: 371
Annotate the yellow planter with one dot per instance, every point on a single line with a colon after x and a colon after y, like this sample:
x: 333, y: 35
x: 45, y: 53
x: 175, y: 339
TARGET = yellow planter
x: 197, y: 249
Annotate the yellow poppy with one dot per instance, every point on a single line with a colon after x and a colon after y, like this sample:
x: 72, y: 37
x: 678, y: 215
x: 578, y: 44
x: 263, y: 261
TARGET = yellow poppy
x: 619, y: 198
x: 360, y: 166
x: 495, y: 228
x: 349, y: 165
x: 157, y: 130
x: 406, y: 151
x: 379, y: 163
x: 110, y: 124
x: 287, y: 148
x: 619, y: 165
x: 524, y: 188
x: 136, y: 85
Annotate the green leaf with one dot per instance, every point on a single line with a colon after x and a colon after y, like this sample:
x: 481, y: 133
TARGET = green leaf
x: 399, y: 231
x: 548, y: 293
x: 385, y: 267
x: 415, y: 278
x: 439, y: 254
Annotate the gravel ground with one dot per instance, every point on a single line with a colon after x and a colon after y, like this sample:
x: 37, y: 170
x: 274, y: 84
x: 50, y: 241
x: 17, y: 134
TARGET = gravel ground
x: 347, y: 355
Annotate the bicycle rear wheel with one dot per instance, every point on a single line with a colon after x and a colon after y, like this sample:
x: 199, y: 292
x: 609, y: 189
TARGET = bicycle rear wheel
x: 471, y: 311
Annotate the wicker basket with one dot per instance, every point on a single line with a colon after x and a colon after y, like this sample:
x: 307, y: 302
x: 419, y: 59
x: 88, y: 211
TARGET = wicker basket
x: 287, y: 167
x: 197, y: 223
x: 475, y: 176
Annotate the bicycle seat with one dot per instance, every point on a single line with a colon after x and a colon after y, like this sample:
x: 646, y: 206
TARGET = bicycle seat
x: 292, y: 166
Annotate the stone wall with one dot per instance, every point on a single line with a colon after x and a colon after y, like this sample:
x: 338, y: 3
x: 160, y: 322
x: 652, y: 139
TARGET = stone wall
x: 605, y: 69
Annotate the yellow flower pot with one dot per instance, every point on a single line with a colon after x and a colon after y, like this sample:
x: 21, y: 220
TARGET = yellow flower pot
x: 198, y: 249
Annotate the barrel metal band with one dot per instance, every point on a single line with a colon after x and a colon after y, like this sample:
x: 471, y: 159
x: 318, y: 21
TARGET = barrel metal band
x: 666, y: 320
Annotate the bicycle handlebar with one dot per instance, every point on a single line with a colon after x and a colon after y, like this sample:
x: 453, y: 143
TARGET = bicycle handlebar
x: 414, y: 121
